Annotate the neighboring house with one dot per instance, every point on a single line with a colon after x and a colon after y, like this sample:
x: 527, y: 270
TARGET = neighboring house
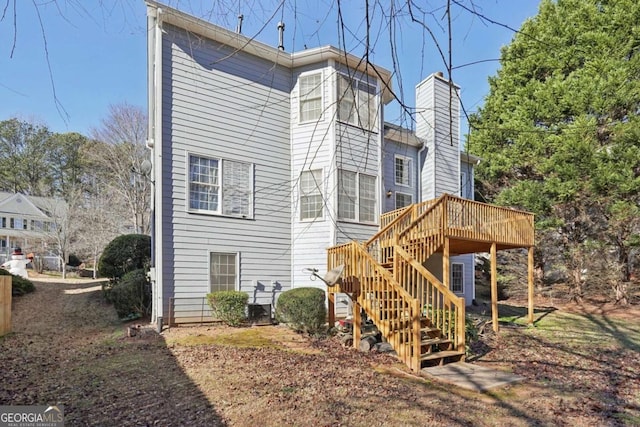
x: 26, y: 222
x: 263, y: 159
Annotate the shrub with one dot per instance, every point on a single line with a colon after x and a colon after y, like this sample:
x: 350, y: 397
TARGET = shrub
x: 124, y: 254
x: 229, y: 306
x: 19, y: 285
x: 131, y: 295
x: 303, y: 309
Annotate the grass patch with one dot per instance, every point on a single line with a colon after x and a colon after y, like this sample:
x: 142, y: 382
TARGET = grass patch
x: 587, y: 329
x: 244, y: 338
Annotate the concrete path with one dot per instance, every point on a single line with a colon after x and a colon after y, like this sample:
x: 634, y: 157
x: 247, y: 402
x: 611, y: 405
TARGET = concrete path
x: 471, y: 377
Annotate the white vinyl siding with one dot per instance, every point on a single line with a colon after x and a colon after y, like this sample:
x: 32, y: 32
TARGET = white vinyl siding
x: 457, y: 278
x: 403, y: 199
x: 311, y: 203
x: 403, y: 171
x: 356, y: 196
x: 357, y: 102
x: 220, y: 186
x: 223, y: 271
x: 310, y: 97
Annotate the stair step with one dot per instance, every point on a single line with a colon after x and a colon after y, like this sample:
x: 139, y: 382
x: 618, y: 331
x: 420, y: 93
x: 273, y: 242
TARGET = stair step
x: 441, y: 355
x: 432, y: 341
x: 428, y: 329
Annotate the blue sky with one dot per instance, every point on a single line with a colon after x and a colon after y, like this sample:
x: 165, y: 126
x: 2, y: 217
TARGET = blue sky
x: 97, y: 48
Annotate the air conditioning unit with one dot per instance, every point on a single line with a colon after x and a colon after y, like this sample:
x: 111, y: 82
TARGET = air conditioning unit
x: 260, y: 314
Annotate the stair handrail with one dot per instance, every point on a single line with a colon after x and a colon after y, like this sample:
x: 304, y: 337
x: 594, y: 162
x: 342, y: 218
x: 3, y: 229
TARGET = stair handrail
x: 409, y: 211
x: 419, y: 218
x: 457, y: 333
x: 402, y: 327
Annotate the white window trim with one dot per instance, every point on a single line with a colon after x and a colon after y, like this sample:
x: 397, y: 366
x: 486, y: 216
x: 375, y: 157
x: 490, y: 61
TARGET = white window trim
x: 237, y: 255
x: 322, y: 195
x: 322, y: 97
x: 404, y: 194
x: 463, y: 181
x: 461, y: 292
x: 219, y: 212
x: 376, y: 214
x: 374, y: 127
x: 408, y: 160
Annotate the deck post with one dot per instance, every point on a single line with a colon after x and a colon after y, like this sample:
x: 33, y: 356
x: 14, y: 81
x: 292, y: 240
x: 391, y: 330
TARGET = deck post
x: 446, y: 265
x: 530, y: 285
x: 494, y: 287
x: 357, y: 322
x: 331, y: 296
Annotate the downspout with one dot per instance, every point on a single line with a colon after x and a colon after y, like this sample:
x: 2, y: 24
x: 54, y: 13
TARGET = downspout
x: 155, y: 143
x: 149, y: 145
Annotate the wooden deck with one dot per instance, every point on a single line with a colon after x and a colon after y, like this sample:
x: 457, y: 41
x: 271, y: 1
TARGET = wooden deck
x: 415, y: 311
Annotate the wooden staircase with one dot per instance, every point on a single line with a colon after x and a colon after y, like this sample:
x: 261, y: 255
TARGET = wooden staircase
x: 416, y: 312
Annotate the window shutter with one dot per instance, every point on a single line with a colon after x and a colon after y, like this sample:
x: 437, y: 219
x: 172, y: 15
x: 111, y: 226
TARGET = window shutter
x: 236, y: 190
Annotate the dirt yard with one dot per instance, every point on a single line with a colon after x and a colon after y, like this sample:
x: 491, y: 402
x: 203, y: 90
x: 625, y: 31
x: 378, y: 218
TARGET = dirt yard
x: 581, y: 369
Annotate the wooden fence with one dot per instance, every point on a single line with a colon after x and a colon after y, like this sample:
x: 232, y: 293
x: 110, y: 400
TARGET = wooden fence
x: 5, y: 305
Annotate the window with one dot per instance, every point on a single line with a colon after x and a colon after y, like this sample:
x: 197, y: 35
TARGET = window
x: 220, y: 186
x: 367, y: 199
x: 17, y: 224
x: 311, y: 202
x: 457, y: 278
x: 465, y: 186
x: 3, y: 224
x: 357, y: 102
x: 403, y: 171
x: 223, y: 271
x: 310, y: 97
x: 356, y: 196
x: 403, y: 200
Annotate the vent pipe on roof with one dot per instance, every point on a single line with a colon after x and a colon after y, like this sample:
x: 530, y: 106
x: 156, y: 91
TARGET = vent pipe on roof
x: 239, y: 27
x: 440, y: 74
x: 281, y: 35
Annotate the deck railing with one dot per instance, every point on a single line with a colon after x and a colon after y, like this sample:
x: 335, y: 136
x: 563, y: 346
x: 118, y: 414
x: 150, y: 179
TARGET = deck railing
x: 471, y: 220
x: 380, y: 246
x: 394, y: 311
x: 453, y: 217
x: 442, y: 308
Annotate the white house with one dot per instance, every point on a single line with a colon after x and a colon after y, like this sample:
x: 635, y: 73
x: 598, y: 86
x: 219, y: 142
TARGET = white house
x: 27, y: 222
x: 263, y: 159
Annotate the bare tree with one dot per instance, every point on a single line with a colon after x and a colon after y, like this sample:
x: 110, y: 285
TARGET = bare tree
x: 120, y: 152
x: 62, y: 231
x: 97, y: 225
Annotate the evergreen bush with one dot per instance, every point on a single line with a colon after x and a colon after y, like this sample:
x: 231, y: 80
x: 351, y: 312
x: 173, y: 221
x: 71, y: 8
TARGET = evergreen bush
x: 303, y: 309
x: 19, y: 285
x: 131, y: 295
x: 229, y: 306
x: 124, y: 254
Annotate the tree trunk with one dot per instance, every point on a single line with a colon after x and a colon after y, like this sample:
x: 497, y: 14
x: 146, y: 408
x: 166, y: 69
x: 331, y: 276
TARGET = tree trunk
x: 95, y: 262
x: 620, y: 289
x: 577, y: 290
x: 538, y: 275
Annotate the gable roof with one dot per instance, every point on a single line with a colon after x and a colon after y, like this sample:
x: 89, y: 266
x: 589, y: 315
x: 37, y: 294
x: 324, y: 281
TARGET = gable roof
x: 242, y: 43
x: 17, y: 203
